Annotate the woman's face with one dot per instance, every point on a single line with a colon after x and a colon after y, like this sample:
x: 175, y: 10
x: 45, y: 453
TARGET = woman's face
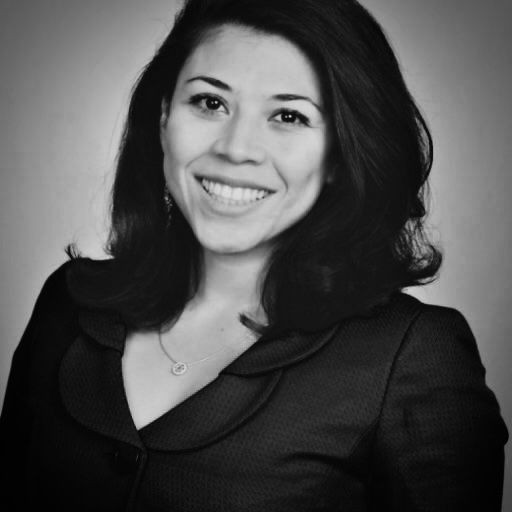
x: 245, y: 139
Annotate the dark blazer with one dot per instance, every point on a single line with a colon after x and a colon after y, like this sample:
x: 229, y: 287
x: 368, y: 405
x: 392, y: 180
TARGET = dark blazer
x: 385, y: 413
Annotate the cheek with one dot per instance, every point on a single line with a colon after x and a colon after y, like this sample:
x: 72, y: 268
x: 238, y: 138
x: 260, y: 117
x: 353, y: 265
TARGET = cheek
x: 187, y: 136
x: 175, y: 157
x: 177, y: 145
x: 303, y: 167
x: 303, y: 175
x: 180, y: 148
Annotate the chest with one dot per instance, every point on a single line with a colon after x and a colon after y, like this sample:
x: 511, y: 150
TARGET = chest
x: 159, y: 376
x: 284, y: 458
x: 286, y: 440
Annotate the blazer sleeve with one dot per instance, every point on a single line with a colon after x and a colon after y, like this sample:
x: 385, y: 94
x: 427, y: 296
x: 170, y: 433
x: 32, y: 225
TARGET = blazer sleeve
x: 16, y: 417
x: 439, y: 444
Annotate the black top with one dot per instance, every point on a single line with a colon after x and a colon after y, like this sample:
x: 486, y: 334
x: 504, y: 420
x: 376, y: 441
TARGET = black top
x: 385, y: 413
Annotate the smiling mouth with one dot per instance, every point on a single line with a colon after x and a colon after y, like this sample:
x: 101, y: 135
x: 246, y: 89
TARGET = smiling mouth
x: 232, y: 195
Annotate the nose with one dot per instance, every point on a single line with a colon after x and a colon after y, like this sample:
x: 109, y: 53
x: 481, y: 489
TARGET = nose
x: 239, y: 141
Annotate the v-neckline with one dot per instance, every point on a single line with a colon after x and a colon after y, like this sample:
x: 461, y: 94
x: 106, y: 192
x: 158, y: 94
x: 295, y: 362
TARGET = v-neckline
x: 150, y: 389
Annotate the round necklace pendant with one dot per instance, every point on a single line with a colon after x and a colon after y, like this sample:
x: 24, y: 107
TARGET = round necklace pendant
x: 179, y: 368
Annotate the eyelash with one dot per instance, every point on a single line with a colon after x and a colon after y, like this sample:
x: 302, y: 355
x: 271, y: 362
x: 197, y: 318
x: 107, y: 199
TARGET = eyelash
x: 197, y: 100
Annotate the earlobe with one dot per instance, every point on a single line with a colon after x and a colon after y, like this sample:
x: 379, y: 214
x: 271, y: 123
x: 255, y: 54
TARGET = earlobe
x: 164, y: 115
x: 330, y: 176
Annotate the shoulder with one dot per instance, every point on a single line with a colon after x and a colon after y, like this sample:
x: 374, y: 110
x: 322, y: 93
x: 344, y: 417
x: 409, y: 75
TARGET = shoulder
x: 405, y: 325
x: 54, y: 321
x: 414, y: 348
x: 55, y: 300
x: 434, y: 334
x: 54, y: 293
x: 417, y: 323
x: 57, y: 284
x: 439, y: 438
x: 436, y: 379
x: 410, y: 309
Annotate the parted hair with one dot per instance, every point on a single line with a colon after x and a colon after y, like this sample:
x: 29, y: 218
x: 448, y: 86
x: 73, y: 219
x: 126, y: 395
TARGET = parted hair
x: 363, y: 240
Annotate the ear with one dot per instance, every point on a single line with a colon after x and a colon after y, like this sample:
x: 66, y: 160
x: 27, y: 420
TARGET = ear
x: 330, y: 175
x: 331, y: 167
x: 164, y: 112
x: 164, y: 116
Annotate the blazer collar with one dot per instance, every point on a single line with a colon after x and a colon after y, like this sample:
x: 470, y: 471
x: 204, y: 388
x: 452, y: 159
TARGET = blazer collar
x: 92, y: 389
x: 263, y: 356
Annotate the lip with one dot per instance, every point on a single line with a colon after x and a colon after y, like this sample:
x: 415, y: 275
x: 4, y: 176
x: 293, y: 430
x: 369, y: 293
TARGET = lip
x: 232, y: 182
x: 228, y: 209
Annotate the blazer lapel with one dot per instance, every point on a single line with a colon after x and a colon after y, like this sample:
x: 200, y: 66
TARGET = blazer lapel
x: 91, y: 382
x: 211, y: 413
x: 92, y: 389
x: 269, y: 354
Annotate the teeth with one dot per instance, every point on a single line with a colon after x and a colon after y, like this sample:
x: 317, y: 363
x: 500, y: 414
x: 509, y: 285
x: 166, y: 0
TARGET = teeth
x: 232, y: 195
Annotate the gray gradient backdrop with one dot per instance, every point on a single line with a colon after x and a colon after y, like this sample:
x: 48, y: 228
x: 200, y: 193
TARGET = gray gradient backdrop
x: 67, y: 68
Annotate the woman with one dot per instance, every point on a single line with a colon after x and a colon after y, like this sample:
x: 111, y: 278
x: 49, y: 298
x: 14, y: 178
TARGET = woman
x: 248, y: 346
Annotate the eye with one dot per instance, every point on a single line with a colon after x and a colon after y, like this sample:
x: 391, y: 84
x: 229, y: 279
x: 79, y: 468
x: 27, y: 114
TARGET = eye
x: 291, y: 117
x: 208, y: 103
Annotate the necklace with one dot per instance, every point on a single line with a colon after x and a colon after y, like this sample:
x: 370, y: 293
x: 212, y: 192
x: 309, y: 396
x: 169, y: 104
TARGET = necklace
x: 180, y: 367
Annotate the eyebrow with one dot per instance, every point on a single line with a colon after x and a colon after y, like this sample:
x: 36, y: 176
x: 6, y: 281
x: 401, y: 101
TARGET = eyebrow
x: 211, y: 81
x: 280, y: 97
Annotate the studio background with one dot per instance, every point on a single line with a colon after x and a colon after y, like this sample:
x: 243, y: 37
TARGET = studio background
x: 67, y: 69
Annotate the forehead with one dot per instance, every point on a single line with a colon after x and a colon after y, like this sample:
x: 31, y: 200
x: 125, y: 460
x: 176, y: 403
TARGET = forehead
x: 247, y: 59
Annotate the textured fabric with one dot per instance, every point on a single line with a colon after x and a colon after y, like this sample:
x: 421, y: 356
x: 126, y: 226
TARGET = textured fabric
x: 385, y: 413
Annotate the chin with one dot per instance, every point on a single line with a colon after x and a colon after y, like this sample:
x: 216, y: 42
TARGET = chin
x: 229, y: 244
x: 228, y: 247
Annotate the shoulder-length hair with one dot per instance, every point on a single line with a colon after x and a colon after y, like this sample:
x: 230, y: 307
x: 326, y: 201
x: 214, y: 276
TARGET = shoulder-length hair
x: 362, y: 240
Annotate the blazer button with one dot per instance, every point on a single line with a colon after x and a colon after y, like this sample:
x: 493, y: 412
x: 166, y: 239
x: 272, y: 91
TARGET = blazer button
x: 126, y: 458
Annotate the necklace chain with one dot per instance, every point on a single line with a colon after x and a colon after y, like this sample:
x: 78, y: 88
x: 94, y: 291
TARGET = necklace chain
x: 180, y: 367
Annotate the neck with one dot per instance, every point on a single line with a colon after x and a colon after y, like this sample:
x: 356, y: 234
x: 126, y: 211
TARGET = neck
x: 232, y: 280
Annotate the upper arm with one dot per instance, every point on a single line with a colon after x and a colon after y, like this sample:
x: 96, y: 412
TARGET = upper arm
x: 439, y: 442
x: 16, y: 416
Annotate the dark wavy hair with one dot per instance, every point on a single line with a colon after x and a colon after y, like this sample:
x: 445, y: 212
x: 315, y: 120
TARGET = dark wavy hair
x: 363, y: 239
